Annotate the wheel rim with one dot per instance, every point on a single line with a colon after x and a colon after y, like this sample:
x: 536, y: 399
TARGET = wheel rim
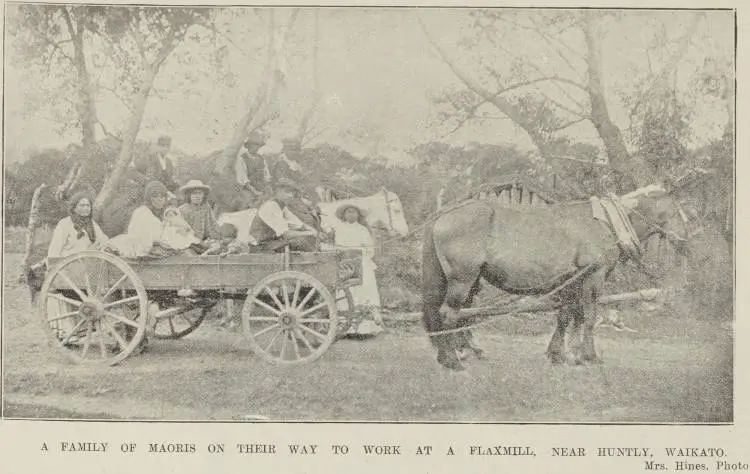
x: 93, y: 308
x: 290, y: 318
x: 181, y: 324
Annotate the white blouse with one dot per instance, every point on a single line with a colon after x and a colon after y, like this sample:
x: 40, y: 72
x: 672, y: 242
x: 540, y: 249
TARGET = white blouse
x: 65, y: 240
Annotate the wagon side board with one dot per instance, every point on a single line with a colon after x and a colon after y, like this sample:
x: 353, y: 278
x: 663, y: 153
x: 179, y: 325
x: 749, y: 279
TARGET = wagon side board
x: 214, y: 272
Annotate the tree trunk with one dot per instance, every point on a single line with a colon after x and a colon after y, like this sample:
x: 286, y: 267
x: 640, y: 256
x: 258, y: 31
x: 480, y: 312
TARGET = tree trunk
x: 614, y: 145
x: 86, y: 106
x: 126, y: 150
x: 261, y: 109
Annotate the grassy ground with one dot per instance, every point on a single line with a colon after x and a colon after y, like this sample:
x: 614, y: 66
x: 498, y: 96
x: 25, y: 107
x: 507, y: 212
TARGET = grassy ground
x: 674, y: 369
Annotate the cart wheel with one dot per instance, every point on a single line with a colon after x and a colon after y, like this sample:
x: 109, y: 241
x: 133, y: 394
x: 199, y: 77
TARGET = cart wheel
x: 180, y: 324
x: 289, y: 317
x: 93, y: 308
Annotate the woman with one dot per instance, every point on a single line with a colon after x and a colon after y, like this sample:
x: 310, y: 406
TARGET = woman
x: 78, y: 231
x: 352, y: 232
x: 145, y: 228
x: 73, y: 234
x: 197, y: 212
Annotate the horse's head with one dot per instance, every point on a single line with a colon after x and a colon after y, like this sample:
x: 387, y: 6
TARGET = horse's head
x: 654, y: 210
x: 390, y: 216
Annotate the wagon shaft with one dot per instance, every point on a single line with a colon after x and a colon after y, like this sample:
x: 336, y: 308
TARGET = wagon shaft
x: 530, y: 304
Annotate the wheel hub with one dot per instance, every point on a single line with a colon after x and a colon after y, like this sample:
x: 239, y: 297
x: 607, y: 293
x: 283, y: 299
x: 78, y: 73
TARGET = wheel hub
x: 91, y: 310
x: 287, y: 320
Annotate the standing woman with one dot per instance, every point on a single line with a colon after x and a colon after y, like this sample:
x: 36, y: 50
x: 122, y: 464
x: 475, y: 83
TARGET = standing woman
x: 352, y: 232
x: 78, y: 231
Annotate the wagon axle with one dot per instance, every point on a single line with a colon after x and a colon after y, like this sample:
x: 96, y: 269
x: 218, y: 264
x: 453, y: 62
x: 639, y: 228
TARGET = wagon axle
x: 91, y: 309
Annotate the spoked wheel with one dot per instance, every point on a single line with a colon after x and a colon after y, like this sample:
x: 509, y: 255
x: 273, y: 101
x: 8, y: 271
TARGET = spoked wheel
x: 290, y: 318
x: 180, y: 324
x: 93, y: 308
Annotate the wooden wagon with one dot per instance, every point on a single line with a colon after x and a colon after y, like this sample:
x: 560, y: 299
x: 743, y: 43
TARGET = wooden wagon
x: 97, y: 308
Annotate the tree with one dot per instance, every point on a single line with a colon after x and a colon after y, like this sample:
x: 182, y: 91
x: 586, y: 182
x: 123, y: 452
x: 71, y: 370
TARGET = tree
x: 564, y: 71
x: 53, y: 38
x: 140, y: 40
x: 263, y: 107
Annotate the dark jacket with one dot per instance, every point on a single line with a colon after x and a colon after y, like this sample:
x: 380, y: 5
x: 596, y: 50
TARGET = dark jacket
x: 165, y: 175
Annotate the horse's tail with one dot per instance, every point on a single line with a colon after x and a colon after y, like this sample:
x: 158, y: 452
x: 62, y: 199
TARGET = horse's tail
x: 434, y: 284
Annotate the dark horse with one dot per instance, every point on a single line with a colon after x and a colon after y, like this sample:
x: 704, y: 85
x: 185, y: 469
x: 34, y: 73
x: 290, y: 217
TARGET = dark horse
x: 531, y: 251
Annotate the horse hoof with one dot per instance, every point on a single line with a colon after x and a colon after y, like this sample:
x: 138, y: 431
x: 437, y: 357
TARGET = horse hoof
x: 454, y: 366
x: 452, y: 363
x: 556, y: 358
x: 591, y: 359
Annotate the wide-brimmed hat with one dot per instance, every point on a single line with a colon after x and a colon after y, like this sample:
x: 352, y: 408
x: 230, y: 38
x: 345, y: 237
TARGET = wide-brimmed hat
x: 195, y: 184
x: 342, y: 209
x: 288, y: 183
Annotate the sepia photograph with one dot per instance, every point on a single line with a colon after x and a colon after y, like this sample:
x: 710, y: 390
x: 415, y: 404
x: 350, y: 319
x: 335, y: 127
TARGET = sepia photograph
x: 382, y: 214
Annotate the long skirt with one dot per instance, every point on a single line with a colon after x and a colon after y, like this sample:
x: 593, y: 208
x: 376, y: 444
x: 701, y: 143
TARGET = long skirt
x: 365, y: 316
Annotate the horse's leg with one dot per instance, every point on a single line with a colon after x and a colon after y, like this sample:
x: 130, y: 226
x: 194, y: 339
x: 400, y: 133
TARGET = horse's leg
x: 556, y: 348
x: 591, y: 289
x: 457, y: 292
x: 468, y: 339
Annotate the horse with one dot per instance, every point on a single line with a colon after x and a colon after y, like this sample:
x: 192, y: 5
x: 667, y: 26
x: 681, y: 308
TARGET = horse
x: 384, y: 208
x: 558, y: 249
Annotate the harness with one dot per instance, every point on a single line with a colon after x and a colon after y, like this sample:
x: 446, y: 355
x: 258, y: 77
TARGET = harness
x: 582, y: 273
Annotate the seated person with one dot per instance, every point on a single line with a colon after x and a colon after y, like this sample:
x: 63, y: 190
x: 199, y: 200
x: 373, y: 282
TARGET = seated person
x: 197, y: 212
x: 78, y: 231
x: 275, y: 226
x: 143, y: 235
x: 228, y: 243
x: 177, y: 233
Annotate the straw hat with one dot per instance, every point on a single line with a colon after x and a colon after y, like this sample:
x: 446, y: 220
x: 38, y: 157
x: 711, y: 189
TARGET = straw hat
x: 195, y: 184
x: 342, y: 209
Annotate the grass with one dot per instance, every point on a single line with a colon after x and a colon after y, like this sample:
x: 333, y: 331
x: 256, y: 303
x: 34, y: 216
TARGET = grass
x: 674, y: 369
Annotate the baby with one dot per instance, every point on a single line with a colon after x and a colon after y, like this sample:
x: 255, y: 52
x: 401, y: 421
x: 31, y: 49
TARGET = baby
x: 177, y: 233
x: 228, y: 243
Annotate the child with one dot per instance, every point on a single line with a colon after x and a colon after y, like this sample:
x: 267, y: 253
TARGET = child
x: 228, y: 243
x: 198, y: 213
x: 177, y: 233
x: 352, y: 232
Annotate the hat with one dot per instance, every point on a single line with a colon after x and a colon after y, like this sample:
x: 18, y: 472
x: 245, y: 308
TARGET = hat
x: 342, y: 209
x: 255, y: 138
x: 195, y: 184
x: 288, y: 183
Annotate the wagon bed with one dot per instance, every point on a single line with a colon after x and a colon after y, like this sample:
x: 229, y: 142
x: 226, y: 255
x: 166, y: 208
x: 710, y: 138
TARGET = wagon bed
x: 97, y: 308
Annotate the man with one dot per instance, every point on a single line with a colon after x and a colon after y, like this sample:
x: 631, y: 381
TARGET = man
x: 159, y: 167
x: 275, y: 226
x: 250, y: 168
x: 287, y: 164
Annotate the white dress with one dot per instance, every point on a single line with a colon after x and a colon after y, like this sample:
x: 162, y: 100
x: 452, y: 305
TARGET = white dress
x: 144, y: 230
x: 355, y: 235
